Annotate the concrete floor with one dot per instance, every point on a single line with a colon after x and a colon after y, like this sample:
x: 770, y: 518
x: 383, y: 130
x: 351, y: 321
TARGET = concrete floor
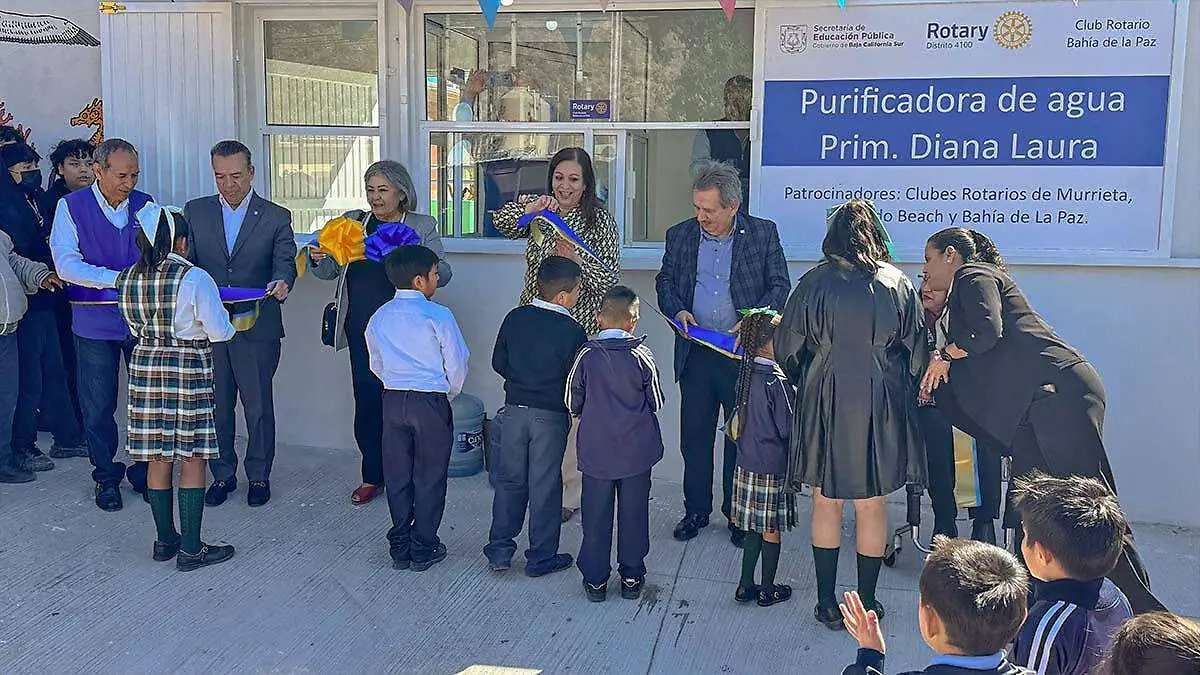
x: 311, y: 590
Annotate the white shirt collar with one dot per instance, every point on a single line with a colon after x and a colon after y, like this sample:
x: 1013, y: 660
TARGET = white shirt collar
x: 613, y: 334
x: 409, y: 294
x: 104, y: 202
x: 550, y: 306
x: 764, y: 361
x: 243, y: 207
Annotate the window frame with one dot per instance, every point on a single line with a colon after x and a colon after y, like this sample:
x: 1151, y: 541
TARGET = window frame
x: 423, y: 128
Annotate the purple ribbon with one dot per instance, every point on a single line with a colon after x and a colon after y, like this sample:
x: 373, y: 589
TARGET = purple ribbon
x: 102, y: 296
x: 389, y: 237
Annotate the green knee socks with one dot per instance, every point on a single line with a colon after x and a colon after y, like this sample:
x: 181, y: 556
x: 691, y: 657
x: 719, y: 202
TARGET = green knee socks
x: 770, y: 557
x: 868, y: 578
x: 162, y: 507
x: 752, y: 544
x: 826, y: 560
x: 191, y: 512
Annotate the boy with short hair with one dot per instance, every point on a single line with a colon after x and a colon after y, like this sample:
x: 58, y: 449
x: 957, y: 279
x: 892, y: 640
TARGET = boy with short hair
x: 1073, y: 534
x: 972, y: 604
x: 534, y: 351
x: 418, y: 352
x: 615, y: 391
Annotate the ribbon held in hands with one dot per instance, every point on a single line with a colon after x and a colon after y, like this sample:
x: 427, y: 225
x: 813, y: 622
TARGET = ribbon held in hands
x: 534, y: 221
x: 342, y: 238
x: 718, y: 341
x: 388, y: 238
x: 244, y: 304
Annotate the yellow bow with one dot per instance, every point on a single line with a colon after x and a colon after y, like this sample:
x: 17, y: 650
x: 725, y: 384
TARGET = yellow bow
x: 342, y: 238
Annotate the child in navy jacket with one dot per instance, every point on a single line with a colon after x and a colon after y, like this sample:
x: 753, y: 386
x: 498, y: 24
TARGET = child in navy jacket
x: 972, y: 604
x: 1073, y: 534
x: 615, y: 391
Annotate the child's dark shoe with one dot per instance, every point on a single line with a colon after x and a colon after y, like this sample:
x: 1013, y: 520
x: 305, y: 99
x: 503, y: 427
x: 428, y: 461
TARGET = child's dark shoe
x: 830, y: 617
x: 878, y: 609
x: 596, y: 593
x: 746, y: 593
x: 773, y: 595
x: 631, y: 589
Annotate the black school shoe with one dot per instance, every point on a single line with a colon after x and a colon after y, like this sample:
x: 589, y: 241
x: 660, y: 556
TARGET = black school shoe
x: 830, y: 617
x: 437, y: 556
x: 108, y: 497
x: 13, y: 472
x: 207, y: 555
x: 165, y: 550
x: 773, y: 595
x: 64, y: 451
x: 745, y: 594
x: 596, y: 593
x: 219, y: 491
x: 689, y: 527
x: 558, y: 563
x: 259, y: 493
x: 631, y: 589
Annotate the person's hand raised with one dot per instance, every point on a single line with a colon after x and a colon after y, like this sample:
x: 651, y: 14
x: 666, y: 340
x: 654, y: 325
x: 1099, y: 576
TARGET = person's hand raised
x: 862, y: 624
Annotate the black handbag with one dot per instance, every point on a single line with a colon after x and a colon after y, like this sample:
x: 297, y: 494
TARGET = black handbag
x: 329, y: 325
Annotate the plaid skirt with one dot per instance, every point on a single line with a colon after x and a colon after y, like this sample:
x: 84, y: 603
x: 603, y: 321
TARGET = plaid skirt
x: 171, y: 402
x: 760, y: 504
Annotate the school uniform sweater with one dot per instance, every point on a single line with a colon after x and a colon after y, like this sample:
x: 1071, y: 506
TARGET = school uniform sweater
x: 615, y: 391
x: 1070, y: 626
x: 535, y: 348
x: 763, y: 435
x: 870, y: 662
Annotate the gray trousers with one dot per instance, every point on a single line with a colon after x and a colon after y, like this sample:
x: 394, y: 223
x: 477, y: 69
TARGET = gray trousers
x: 245, y: 369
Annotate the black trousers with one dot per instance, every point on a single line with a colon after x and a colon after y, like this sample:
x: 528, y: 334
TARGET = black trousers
x: 707, y: 384
x: 418, y: 434
x: 630, y: 498
x: 245, y: 368
x: 1062, y: 435
x: 43, y: 384
x: 939, y: 455
x: 368, y: 408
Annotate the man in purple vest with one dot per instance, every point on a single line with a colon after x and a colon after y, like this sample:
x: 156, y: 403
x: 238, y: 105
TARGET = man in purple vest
x: 94, y: 238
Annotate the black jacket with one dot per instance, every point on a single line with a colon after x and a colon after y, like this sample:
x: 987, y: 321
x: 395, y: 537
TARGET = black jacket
x: 1070, y: 626
x: 762, y: 444
x: 534, y: 351
x: 21, y: 220
x: 1011, y: 350
x: 615, y: 391
x: 870, y: 662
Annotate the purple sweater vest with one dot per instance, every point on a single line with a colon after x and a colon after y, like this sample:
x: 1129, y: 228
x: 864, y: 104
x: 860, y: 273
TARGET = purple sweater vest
x: 103, y: 245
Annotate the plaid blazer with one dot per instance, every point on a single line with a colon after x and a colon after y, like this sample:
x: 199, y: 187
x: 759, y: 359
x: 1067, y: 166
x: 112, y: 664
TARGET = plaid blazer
x: 758, y: 278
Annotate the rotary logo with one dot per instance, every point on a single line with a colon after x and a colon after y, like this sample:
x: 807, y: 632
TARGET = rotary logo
x: 1013, y: 30
x: 602, y: 108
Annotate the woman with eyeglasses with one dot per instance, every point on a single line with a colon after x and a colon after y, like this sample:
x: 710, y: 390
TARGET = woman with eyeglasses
x: 392, y: 198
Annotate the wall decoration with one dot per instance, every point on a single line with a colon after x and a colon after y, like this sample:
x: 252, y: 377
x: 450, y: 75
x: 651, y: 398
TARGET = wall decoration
x: 6, y: 119
x: 43, y: 29
x: 92, y: 115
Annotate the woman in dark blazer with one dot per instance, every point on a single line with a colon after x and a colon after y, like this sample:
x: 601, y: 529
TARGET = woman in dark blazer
x: 1012, y: 378
x: 852, y: 343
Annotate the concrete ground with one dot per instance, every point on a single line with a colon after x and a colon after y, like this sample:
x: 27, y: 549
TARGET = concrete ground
x: 311, y: 590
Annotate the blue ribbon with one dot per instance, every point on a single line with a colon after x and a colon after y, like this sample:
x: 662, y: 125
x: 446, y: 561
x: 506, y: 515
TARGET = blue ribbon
x: 389, y: 237
x: 527, y: 222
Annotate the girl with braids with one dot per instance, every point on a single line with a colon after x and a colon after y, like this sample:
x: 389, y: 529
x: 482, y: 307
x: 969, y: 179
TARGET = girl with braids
x: 761, y: 428
x: 1004, y: 376
x: 853, y: 343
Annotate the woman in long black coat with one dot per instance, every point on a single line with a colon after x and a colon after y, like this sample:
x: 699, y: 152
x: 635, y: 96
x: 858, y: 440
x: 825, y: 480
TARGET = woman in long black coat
x: 1012, y: 378
x: 852, y: 343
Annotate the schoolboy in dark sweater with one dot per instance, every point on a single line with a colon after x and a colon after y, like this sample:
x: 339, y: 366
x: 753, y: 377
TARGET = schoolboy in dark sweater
x: 615, y: 391
x: 534, y: 351
x: 972, y: 604
x: 1073, y: 534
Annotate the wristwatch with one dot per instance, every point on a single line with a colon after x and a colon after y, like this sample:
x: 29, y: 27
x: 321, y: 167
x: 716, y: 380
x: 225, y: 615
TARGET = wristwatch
x: 944, y: 355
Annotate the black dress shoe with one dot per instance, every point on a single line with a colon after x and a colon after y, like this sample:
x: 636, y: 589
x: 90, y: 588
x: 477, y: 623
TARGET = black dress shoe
x: 108, y: 497
x: 13, y: 472
x: 219, y: 491
x: 164, y: 550
x: 437, y: 556
x: 596, y: 593
x: 631, y: 589
x: 259, y: 493
x: 207, y: 555
x: 63, y: 451
x: 558, y: 563
x: 746, y: 594
x: 736, y: 535
x: 773, y: 595
x: 690, y: 526
x: 830, y: 617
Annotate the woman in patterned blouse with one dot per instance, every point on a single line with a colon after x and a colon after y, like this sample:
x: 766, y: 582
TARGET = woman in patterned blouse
x: 572, y: 194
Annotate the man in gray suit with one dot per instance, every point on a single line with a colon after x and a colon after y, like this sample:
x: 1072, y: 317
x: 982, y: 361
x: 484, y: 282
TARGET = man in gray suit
x: 244, y: 240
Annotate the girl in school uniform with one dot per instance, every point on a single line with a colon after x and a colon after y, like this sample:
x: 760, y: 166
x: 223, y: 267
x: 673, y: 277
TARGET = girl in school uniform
x: 763, y: 426
x: 174, y: 311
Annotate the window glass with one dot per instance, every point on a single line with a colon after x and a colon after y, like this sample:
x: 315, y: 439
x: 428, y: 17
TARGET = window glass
x: 660, y: 158
x: 528, y: 69
x: 320, y: 177
x: 322, y: 73
x: 473, y: 174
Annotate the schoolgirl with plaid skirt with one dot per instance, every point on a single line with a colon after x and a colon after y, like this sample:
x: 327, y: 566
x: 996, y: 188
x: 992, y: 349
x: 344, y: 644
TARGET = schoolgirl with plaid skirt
x: 174, y: 311
x: 761, y: 429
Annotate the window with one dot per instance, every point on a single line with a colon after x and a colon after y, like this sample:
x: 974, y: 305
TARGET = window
x: 320, y: 114
x: 633, y: 88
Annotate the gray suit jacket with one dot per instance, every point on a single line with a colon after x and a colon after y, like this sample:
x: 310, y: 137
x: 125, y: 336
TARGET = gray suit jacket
x: 265, y: 251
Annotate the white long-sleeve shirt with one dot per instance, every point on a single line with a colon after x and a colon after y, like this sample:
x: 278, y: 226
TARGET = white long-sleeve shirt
x: 199, y: 313
x: 64, y: 244
x: 415, y: 344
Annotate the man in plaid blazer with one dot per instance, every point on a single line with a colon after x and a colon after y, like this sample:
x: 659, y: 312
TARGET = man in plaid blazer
x: 714, y: 264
